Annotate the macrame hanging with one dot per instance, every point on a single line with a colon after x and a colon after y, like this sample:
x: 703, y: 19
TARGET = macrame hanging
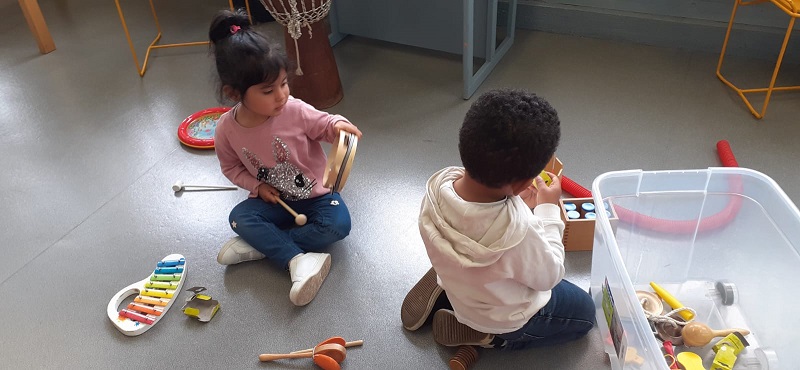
x: 294, y: 18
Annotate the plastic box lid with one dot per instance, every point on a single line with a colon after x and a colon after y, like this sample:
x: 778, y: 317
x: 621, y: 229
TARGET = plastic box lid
x: 723, y: 241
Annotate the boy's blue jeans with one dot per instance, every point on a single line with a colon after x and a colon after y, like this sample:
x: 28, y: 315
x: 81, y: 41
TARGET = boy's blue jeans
x: 569, y: 315
x: 271, y: 230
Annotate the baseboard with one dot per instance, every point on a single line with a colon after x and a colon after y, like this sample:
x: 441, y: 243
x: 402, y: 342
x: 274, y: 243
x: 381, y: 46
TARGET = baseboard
x: 750, y: 40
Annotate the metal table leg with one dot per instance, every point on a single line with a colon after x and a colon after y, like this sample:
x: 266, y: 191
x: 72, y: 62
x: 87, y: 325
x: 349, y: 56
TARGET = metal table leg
x: 493, y: 55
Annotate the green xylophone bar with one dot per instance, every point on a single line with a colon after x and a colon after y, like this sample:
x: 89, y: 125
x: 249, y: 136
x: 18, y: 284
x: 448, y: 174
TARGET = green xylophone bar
x: 161, y: 285
x: 165, y: 277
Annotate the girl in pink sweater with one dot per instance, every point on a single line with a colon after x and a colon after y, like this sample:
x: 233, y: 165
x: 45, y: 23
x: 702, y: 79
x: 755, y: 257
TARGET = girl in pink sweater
x: 269, y: 144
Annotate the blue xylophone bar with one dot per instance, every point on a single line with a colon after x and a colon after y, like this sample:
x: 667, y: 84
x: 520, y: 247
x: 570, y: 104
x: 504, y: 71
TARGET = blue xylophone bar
x: 171, y: 263
x: 168, y: 270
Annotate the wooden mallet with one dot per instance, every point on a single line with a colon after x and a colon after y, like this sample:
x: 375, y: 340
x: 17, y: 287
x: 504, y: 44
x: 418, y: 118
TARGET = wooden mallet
x: 299, y: 219
x: 180, y: 186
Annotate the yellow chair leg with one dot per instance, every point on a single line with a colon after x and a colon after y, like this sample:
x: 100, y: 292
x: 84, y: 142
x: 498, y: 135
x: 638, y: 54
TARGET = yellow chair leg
x: 154, y: 43
x: 35, y: 20
x: 771, y: 88
x: 128, y: 37
x: 778, y: 65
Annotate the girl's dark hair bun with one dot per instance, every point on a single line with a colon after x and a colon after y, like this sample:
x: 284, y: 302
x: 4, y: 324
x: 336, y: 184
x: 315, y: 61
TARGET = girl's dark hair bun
x: 226, y: 24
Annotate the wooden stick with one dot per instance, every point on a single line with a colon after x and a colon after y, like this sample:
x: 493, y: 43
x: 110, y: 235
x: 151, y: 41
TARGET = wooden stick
x: 347, y: 345
x: 335, y: 351
x: 298, y: 218
x: 212, y: 187
x: 271, y: 357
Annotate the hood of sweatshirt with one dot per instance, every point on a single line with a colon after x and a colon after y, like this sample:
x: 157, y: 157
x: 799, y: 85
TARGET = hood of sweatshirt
x: 489, y: 229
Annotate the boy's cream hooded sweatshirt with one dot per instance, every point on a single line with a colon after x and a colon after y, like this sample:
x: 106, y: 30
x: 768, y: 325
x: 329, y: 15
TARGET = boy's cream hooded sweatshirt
x: 496, y: 261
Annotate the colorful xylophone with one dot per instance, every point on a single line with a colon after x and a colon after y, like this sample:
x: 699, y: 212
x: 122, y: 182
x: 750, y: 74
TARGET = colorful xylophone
x: 156, y: 293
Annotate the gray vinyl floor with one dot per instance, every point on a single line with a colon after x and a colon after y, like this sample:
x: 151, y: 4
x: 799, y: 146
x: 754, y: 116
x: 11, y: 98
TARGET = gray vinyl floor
x: 89, y: 154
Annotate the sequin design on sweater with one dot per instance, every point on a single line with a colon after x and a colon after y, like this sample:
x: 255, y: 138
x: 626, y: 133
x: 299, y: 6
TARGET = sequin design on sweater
x: 284, y: 176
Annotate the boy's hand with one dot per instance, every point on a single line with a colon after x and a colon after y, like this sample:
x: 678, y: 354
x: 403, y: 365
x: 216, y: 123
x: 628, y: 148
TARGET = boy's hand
x: 347, y: 127
x: 529, y: 196
x: 268, y: 193
x: 548, y: 194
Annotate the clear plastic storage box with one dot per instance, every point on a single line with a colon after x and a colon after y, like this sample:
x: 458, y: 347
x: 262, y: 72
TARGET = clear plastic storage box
x: 723, y: 241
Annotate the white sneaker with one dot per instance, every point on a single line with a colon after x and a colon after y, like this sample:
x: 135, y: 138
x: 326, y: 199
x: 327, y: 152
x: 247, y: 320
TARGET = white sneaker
x: 237, y: 250
x: 308, y: 271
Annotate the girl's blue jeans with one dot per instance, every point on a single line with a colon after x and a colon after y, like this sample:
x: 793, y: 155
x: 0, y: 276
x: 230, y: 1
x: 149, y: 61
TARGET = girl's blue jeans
x: 569, y: 315
x: 271, y: 230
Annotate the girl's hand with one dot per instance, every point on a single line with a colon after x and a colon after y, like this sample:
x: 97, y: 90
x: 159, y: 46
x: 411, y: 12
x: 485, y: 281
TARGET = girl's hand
x: 267, y: 193
x: 347, y: 127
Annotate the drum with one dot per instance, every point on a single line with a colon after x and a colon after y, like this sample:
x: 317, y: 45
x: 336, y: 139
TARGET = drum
x: 197, y: 131
x: 316, y: 76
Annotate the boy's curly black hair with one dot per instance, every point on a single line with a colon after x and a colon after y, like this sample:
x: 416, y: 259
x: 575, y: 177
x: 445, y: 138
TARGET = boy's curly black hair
x: 508, y: 135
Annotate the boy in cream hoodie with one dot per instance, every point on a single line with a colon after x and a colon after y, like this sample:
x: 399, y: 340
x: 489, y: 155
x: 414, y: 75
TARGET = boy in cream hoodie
x: 498, y: 268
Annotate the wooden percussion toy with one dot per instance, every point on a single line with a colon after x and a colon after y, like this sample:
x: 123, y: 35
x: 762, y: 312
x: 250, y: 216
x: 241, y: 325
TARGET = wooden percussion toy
x: 697, y: 334
x: 346, y: 344
x: 156, y: 294
x: 555, y: 167
x: 327, y: 355
x: 340, y: 161
x: 465, y: 357
x: 632, y: 357
x: 650, y: 302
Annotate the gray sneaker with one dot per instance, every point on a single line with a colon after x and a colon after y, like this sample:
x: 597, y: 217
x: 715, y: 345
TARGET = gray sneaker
x: 237, y: 250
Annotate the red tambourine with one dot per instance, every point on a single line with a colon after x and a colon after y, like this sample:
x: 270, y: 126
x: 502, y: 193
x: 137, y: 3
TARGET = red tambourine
x: 197, y: 130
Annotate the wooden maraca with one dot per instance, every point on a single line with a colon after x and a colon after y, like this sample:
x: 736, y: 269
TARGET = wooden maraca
x: 327, y: 355
x: 697, y: 334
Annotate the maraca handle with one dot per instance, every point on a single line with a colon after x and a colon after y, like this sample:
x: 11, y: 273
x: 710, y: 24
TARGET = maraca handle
x: 271, y: 357
x: 353, y: 343
x: 725, y: 332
